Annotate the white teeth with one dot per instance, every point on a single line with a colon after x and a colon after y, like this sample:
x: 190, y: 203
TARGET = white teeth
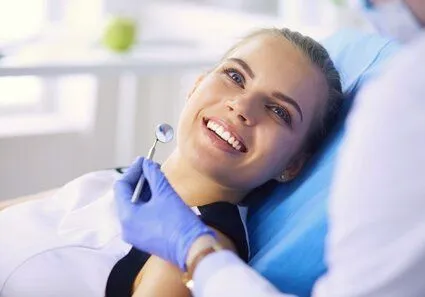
x: 211, y: 125
x: 225, y: 135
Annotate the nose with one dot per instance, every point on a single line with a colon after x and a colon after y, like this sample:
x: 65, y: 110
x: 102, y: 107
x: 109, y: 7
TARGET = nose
x: 243, y: 109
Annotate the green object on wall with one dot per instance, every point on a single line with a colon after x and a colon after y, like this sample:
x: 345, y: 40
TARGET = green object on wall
x: 120, y: 34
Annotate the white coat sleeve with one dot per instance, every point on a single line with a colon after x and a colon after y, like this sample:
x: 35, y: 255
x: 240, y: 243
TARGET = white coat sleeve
x: 224, y: 274
x: 376, y: 244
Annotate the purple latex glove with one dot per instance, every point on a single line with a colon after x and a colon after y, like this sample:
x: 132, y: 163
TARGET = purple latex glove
x: 162, y: 224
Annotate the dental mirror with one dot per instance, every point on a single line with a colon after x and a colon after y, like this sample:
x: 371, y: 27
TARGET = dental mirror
x: 164, y: 133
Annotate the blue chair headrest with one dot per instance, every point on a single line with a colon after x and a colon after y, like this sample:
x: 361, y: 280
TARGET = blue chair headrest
x: 287, y: 223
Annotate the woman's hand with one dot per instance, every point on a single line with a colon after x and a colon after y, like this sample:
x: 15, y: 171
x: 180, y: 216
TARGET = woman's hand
x: 161, y: 224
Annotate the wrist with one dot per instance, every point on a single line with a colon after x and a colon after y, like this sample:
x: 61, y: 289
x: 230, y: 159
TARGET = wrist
x: 202, y: 247
x: 202, y: 243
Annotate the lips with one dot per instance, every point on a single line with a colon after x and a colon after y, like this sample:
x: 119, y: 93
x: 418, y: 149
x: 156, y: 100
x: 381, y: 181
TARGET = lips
x: 226, y: 133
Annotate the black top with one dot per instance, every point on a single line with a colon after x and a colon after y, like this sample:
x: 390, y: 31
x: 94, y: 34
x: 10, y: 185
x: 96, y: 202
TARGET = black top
x: 222, y: 216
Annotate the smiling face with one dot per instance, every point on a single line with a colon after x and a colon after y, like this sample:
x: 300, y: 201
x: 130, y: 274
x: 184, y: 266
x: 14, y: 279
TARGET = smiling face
x: 247, y: 119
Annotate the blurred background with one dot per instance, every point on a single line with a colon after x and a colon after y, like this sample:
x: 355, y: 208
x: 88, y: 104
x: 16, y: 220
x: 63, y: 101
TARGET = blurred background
x: 83, y: 83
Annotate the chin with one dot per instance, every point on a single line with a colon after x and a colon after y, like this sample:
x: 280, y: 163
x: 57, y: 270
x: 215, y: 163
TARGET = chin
x: 206, y: 164
x: 220, y: 173
x: 213, y: 163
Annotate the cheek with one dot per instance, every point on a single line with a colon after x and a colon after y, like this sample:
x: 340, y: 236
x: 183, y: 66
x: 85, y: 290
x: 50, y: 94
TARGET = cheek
x: 276, y: 153
x: 201, y: 98
x: 207, y: 95
x: 212, y: 90
x: 274, y: 157
x: 191, y: 116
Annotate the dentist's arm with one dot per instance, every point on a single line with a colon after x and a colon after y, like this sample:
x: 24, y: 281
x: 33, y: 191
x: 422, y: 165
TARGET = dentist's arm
x: 222, y: 273
x: 376, y: 244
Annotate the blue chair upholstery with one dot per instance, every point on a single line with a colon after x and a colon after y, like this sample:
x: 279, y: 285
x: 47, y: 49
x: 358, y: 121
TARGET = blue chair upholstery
x: 287, y: 223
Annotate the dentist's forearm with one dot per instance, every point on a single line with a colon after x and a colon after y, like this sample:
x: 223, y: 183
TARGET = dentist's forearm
x: 222, y: 273
x: 198, y: 246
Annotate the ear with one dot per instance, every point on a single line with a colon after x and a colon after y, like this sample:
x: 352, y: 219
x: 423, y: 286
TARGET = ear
x: 293, y: 169
x: 197, y: 82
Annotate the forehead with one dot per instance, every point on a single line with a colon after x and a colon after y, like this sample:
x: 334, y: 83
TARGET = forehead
x: 279, y: 65
x: 266, y: 44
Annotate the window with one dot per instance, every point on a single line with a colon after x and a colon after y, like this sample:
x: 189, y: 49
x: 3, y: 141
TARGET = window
x: 68, y: 104
x: 20, y: 20
x: 23, y: 22
x: 20, y: 94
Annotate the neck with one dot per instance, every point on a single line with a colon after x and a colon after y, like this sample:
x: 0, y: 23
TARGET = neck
x: 195, y: 188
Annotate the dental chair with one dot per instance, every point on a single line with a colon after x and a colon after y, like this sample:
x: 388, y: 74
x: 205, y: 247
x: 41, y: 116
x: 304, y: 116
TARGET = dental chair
x: 287, y: 223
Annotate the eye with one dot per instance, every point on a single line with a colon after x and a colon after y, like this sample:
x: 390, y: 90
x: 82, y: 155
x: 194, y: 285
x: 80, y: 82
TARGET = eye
x: 282, y: 113
x: 236, y: 76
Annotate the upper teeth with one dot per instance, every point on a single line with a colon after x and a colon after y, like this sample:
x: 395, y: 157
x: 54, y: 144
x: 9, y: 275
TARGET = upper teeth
x: 225, y: 135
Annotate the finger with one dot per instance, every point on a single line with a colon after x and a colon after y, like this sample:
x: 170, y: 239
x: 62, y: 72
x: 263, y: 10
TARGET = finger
x: 145, y: 194
x: 151, y: 170
x: 123, y: 191
x: 150, y: 182
x: 133, y: 173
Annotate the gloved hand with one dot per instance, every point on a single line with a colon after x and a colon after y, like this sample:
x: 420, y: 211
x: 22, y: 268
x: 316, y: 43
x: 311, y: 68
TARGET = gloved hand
x: 162, y: 225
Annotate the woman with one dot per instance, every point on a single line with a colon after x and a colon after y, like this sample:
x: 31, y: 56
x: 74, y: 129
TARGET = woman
x: 258, y: 115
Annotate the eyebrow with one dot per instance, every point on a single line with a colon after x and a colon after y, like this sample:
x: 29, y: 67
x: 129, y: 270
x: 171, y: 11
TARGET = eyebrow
x: 244, y: 65
x: 290, y: 101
